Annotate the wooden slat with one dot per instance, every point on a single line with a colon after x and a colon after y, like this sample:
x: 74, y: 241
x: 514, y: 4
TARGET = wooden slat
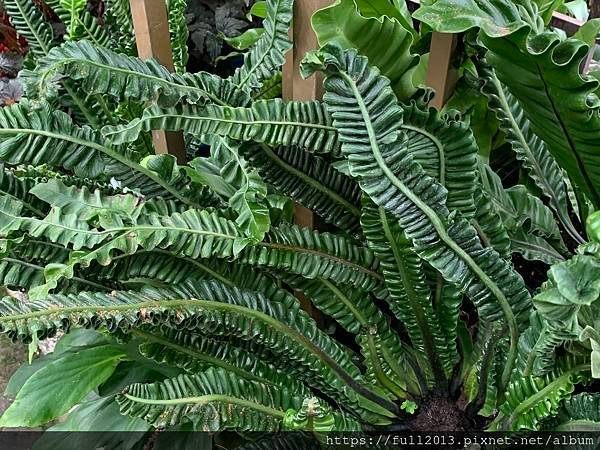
x: 152, y: 37
x: 296, y: 88
x: 568, y: 24
x: 441, y: 73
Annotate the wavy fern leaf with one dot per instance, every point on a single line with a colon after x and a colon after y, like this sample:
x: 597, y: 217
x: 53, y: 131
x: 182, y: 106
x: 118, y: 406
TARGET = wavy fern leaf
x: 29, y: 21
x: 311, y: 181
x: 387, y: 361
x: 22, y: 266
x: 446, y: 149
x: 192, y: 233
x: 580, y: 413
x: 80, y: 23
x: 150, y: 268
x: 37, y: 134
x: 120, y: 25
x: 489, y: 225
x: 268, y: 54
x: 368, y: 118
x: 410, y: 297
x: 302, y: 124
x: 529, y: 223
x: 19, y: 188
x: 213, y: 400
x: 312, y: 254
x: 102, y: 71
x: 530, y: 400
x: 529, y: 149
x: 233, y: 178
x: 195, y: 354
x: 85, y: 204
x: 179, y: 33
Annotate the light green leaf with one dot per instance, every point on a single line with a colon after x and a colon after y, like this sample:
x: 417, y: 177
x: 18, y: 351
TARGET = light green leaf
x: 383, y: 39
x: 56, y: 387
x: 578, y: 280
x: 577, y: 9
x: 259, y: 9
x: 245, y: 40
x: 494, y: 17
x: 397, y: 9
x: 248, y: 200
x: 593, y: 226
x: 74, y: 8
x: 95, y: 423
x: 588, y: 33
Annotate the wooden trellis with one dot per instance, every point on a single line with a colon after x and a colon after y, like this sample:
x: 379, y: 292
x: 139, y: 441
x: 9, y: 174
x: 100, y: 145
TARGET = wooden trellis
x: 153, y: 41
x: 152, y: 37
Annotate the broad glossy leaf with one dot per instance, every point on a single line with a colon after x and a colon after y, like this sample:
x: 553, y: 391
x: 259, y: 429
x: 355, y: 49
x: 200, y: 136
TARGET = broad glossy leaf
x: 542, y: 72
x: 68, y: 343
x: 94, y: 423
x: 382, y: 38
x: 246, y: 39
x: 494, y: 17
x: 56, y: 387
x: 588, y: 33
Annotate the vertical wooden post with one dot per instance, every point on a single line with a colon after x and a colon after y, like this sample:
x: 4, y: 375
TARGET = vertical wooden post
x: 294, y: 86
x: 441, y: 75
x: 152, y: 37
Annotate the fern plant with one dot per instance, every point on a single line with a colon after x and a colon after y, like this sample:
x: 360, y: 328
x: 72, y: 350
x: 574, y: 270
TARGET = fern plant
x: 174, y: 284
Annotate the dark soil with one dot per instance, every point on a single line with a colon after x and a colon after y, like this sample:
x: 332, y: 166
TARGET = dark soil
x: 439, y: 414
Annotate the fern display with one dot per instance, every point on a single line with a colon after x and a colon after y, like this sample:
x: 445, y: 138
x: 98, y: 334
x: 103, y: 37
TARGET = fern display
x: 204, y: 307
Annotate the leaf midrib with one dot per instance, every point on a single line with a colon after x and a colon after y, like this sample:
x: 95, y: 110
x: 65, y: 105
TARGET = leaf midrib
x: 207, y: 399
